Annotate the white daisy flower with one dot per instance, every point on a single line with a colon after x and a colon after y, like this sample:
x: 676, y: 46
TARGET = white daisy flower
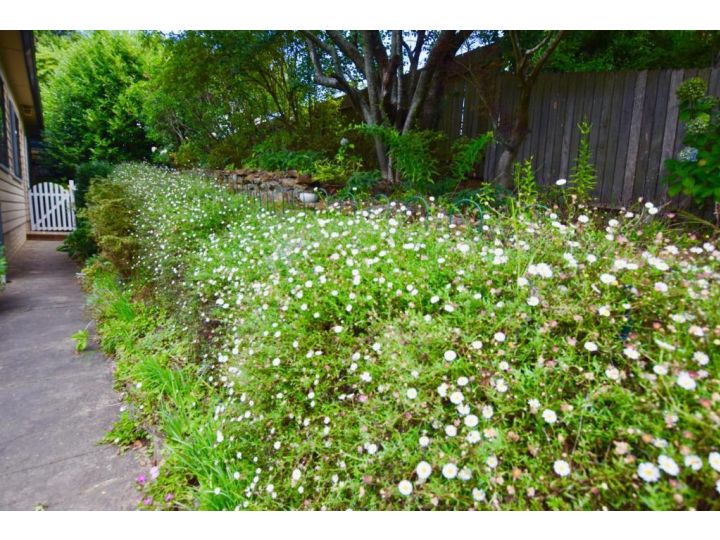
x: 648, y: 472
x: 701, y: 358
x: 449, y: 471
x: 450, y: 430
x: 456, y: 398
x: 423, y: 470
x: 612, y: 373
x: 684, y: 380
x: 661, y: 287
x: 633, y: 354
x: 660, y: 369
x: 473, y: 437
x: 561, y: 467
x: 714, y: 460
x: 693, y: 462
x: 590, y: 346
x: 471, y: 420
x: 478, y: 494
x: 450, y: 356
x: 411, y: 393
x: 533, y: 301
x: 405, y: 488
x: 549, y: 416
x: 492, y: 462
x: 668, y: 465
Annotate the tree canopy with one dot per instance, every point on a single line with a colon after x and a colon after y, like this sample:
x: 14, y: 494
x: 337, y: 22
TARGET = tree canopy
x: 210, y: 98
x: 91, y: 101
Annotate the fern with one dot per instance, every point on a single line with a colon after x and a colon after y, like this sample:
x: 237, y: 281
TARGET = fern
x: 410, y: 153
x: 466, y: 153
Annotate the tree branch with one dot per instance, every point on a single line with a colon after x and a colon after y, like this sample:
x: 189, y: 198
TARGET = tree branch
x: 546, y: 55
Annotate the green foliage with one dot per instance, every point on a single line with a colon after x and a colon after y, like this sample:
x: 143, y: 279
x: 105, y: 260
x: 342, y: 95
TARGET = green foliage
x: 583, y: 178
x: 524, y: 182
x: 84, y: 174
x: 411, y: 154
x: 125, y: 431
x: 467, y: 153
x: 266, y: 157
x: 215, y: 95
x: 91, y: 104
x: 360, y: 184
x: 616, y: 50
x: 81, y: 340
x: 111, y: 213
x: 322, y: 347
x: 340, y: 168
x: 695, y: 172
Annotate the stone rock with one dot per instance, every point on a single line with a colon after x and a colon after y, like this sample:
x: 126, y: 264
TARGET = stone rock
x: 288, y: 182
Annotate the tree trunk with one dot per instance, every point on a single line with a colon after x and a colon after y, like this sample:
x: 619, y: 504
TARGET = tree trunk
x: 382, y: 157
x: 504, y: 174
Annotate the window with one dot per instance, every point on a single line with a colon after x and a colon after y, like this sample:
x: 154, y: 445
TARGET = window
x: 15, y: 134
x: 3, y: 126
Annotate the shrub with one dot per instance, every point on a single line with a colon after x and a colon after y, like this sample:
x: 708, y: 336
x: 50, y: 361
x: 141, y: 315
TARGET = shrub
x: 360, y: 184
x: 340, y: 168
x: 79, y: 244
x: 388, y: 359
x: 696, y: 170
x: 84, y: 174
x: 111, y: 214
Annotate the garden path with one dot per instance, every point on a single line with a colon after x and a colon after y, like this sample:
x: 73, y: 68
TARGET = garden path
x: 55, y: 405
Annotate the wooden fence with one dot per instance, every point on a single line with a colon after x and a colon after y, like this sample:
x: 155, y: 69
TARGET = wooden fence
x: 634, y: 117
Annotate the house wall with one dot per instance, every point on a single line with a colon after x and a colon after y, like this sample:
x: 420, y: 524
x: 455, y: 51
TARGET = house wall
x: 14, y: 210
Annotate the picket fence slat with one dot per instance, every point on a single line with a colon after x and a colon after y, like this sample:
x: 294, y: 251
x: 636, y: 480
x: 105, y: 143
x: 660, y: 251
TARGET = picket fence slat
x: 52, y: 207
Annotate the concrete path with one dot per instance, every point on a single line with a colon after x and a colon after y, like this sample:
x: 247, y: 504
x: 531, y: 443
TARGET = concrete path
x: 55, y: 405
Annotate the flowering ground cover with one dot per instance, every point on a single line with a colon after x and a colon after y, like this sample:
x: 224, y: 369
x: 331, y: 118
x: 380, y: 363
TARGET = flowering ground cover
x: 389, y: 358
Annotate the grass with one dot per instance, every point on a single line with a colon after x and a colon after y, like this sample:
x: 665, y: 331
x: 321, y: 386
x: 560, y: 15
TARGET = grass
x: 310, y: 360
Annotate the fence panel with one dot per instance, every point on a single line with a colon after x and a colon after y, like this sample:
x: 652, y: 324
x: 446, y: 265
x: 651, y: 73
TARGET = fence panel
x: 634, y: 117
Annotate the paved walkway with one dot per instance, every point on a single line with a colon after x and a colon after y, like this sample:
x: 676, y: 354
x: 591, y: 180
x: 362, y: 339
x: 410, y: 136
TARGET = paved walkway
x: 55, y: 405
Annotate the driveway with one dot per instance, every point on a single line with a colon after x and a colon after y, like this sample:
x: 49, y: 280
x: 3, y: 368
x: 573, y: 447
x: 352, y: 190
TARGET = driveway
x: 55, y: 405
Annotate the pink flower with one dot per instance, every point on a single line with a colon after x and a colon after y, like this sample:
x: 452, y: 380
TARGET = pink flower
x: 148, y: 501
x: 154, y: 472
x: 141, y: 480
x: 169, y: 497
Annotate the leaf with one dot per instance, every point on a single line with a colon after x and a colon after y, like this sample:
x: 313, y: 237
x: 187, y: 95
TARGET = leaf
x: 81, y: 340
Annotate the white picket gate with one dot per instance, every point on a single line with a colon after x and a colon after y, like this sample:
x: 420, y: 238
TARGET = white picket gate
x: 52, y: 207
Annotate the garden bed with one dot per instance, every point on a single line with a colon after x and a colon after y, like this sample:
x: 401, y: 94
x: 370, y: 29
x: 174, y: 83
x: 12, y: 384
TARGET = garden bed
x: 383, y: 359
